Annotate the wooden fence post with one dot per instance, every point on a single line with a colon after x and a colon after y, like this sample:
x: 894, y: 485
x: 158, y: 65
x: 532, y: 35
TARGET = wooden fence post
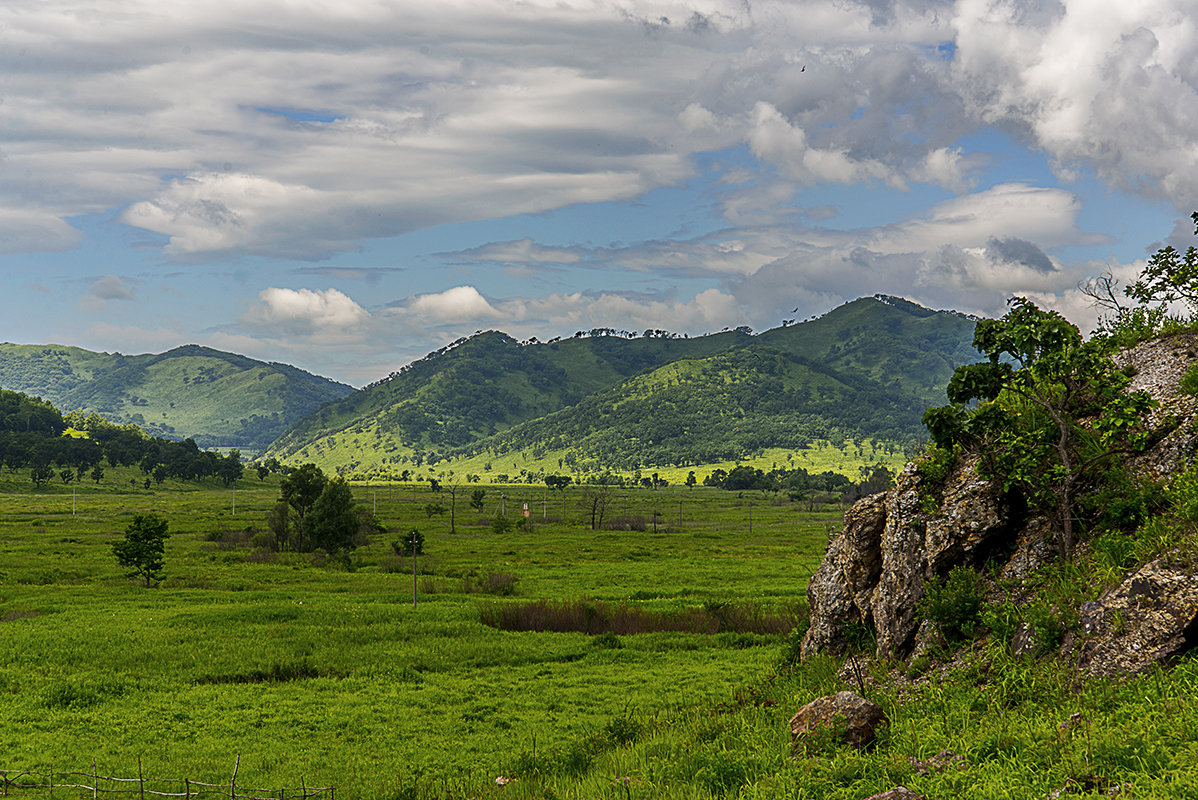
x: 141, y: 781
x: 51, y: 780
x: 187, y: 788
x: 95, y: 781
x: 233, y: 783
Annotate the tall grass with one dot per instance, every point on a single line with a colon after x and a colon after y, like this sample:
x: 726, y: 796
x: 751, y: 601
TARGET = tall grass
x: 595, y: 617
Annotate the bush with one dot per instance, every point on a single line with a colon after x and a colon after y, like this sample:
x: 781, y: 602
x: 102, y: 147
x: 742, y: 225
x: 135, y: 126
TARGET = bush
x: 954, y: 604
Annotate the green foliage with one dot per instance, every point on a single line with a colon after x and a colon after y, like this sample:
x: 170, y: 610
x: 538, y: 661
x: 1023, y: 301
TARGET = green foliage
x: 1189, y: 381
x: 476, y: 499
x: 1169, y: 277
x: 412, y: 542
x: 1040, y: 381
x: 143, y: 546
x: 332, y: 524
x: 954, y: 603
x: 501, y: 525
x: 934, y: 466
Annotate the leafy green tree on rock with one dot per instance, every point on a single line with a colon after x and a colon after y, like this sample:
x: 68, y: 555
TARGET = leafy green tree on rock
x: 1050, y: 409
x: 143, y: 546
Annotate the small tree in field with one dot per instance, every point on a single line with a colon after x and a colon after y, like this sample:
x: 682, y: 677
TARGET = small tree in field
x: 143, y: 546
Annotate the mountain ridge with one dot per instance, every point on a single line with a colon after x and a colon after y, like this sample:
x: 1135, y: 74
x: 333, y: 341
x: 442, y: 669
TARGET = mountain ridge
x: 217, y: 398
x: 867, y: 368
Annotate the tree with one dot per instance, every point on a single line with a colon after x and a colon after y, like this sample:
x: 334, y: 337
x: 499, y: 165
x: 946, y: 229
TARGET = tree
x: 230, y: 468
x: 1169, y: 277
x: 40, y: 474
x: 1051, y: 408
x: 300, y: 489
x: 412, y: 543
x: 557, y: 482
x: 598, y: 498
x: 332, y: 523
x: 476, y: 499
x: 143, y: 546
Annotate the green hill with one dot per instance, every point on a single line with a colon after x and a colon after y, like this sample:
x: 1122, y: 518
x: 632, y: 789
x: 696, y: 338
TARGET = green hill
x: 601, y: 400
x: 216, y: 398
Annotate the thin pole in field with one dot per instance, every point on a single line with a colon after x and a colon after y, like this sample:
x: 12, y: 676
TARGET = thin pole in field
x: 72, y: 501
x: 413, y: 569
x: 234, y: 501
x: 233, y: 783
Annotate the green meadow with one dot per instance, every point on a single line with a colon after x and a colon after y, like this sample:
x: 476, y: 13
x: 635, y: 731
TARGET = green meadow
x: 319, y: 671
x: 309, y: 671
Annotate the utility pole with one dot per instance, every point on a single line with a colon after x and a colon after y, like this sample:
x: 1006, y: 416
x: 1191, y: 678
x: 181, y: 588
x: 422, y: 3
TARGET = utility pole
x: 234, y: 501
x: 413, y: 569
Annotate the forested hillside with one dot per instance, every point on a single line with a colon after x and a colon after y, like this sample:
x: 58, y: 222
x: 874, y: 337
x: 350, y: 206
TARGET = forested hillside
x: 610, y: 400
x: 212, y: 397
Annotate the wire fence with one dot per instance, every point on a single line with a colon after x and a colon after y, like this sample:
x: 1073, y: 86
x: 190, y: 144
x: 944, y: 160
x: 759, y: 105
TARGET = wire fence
x: 15, y: 783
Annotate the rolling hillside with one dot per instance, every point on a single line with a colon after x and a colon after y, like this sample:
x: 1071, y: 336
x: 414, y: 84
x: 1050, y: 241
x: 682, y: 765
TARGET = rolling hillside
x: 213, y: 397
x: 603, y: 401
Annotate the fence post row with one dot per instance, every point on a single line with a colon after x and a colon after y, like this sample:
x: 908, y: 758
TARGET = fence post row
x: 8, y: 782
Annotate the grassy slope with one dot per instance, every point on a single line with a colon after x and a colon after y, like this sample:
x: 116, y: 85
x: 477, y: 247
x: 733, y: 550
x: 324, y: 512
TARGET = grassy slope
x: 217, y: 398
x: 869, y: 364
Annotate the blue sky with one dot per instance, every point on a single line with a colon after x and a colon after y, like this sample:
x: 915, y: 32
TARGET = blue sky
x: 348, y: 186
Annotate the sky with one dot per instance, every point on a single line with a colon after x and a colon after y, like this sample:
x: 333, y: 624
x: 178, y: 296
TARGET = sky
x: 346, y: 186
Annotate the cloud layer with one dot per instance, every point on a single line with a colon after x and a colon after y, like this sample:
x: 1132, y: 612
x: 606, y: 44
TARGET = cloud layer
x: 300, y: 130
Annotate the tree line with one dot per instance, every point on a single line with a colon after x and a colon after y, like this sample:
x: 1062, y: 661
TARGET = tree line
x: 34, y: 435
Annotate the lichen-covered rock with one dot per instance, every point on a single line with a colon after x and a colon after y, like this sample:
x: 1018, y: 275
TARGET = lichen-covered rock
x: 844, y: 582
x: 875, y: 570
x: 1149, y: 619
x: 1158, y: 366
x: 844, y: 717
x: 897, y: 793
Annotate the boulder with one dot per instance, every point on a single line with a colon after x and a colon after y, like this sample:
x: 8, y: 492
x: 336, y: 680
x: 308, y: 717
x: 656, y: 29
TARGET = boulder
x: 1148, y: 620
x: 846, y: 717
x: 897, y: 793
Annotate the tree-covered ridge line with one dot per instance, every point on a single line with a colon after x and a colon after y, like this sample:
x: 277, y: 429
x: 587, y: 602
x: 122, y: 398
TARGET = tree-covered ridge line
x: 36, y: 436
x: 218, y: 399
x: 865, y: 370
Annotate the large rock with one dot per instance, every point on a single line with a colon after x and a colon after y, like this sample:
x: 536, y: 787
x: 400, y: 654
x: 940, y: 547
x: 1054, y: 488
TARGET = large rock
x: 875, y: 569
x: 897, y: 793
x: 845, y: 717
x: 1148, y: 620
x: 844, y: 583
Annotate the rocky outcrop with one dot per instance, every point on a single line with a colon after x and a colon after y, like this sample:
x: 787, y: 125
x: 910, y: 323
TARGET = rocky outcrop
x: 875, y: 569
x: 1148, y: 620
x: 844, y: 718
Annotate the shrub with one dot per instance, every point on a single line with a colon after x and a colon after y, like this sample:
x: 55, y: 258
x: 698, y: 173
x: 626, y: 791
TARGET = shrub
x: 954, y: 604
x: 1189, y: 381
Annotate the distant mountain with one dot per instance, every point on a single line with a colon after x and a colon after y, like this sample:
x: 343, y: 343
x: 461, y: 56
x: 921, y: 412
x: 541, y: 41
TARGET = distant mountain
x: 213, y: 397
x: 608, y: 400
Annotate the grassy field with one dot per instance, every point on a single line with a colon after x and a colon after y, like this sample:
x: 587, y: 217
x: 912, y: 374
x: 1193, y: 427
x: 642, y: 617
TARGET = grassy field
x: 323, y: 673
